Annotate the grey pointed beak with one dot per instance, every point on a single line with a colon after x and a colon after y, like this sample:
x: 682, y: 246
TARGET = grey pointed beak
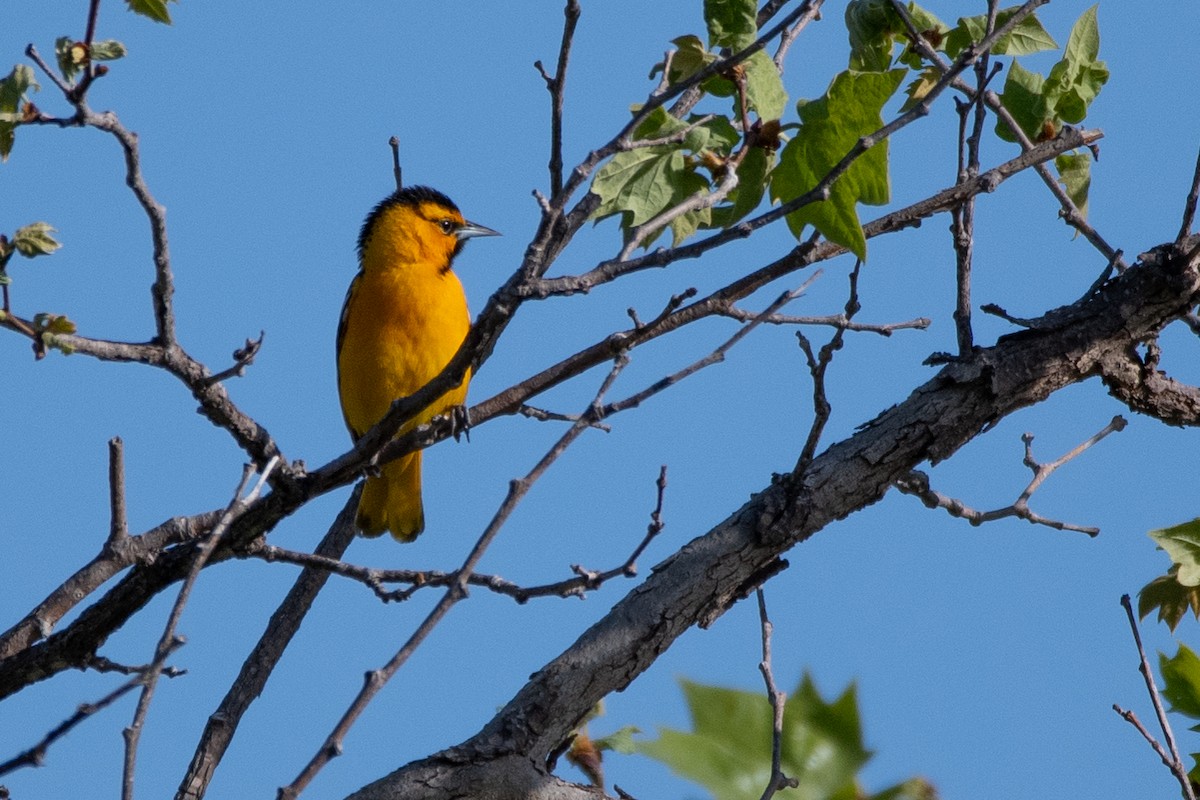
x: 470, y: 230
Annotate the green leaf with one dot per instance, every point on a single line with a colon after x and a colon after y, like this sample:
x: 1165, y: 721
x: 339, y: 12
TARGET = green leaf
x: 831, y: 126
x: 752, y: 185
x: 1022, y: 96
x: 911, y: 789
x: 728, y: 750
x: 619, y: 741
x: 12, y: 95
x: 642, y: 183
x: 1182, y: 543
x: 1026, y: 38
x: 933, y: 30
x: 919, y: 87
x: 690, y: 57
x: 764, y: 88
x: 731, y: 23
x: 35, y: 240
x: 108, y: 50
x: 71, y: 56
x: 1181, y: 676
x: 1075, y: 174
x: 154, y: 9
x: 1172, y: 599
x: 1076, y: 80
x: 1083, y: 46
x: 52, y: 323
x: 872, y: 26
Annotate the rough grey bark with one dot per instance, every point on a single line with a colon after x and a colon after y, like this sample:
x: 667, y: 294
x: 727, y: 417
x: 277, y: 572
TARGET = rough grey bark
x: 1068, y: 345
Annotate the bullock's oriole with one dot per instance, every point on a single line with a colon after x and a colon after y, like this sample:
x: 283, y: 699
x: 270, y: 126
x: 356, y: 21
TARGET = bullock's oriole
x: 405, y: 317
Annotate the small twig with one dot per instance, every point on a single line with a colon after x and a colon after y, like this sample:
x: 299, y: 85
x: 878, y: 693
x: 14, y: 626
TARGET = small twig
x: 715, y: 357
x: 812, y: 12
x: 1174, y: 762
x: 542, y: 415
x: 779, y: 780
x: 118, y: 531
x: 169, y: 640
x: 397, y: 172
x: 261, y: 662
x: 555, y: 85
x: 1189, y: 207
x: 840, y: 321
x: 916, y: 483
x: 818, y: 365
x: 242, y: 358
x: 375, y: 680
x: 102, y: 664
x: 584, y: 581
x: 36, y: 755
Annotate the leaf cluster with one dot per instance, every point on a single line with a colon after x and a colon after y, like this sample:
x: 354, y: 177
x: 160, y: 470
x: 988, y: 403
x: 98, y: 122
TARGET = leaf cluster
x: 693, y: 172
x: 728, y: 750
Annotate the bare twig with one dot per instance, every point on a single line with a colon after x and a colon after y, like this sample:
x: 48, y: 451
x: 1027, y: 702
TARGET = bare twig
x: 35, y: 756
x: 169, y: 640
x: 1189, y: 207
x: 543, y: 415
x: 376, y: 679
x: 397, y: 171
x: 916, y: 483
x: 818, y: 365
x: 778, y: 700
x: 223, y: 722
x: 555, y: 84
x: 242, y: 358
x: 1174, y: 762
x: 118, y: 532
x: 584, y: 581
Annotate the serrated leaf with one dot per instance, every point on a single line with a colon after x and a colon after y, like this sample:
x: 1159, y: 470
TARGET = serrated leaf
x: 1182, y: 543
x: 1181, y: 678
x: 850, y: 109
x: 640, y: 184
x: 728, y: 750
x: 1075, y: 174
x: 731, y: 23
x: 1026, y: 38
x: 35, y: 240
x: 919, y: 87
x: 1172, y: 599
x: 154, y: 9
x: 12, y: 95
x: 764, y: 88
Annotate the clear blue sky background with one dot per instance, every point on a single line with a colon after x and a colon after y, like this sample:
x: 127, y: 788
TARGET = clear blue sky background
x: 986, y: 658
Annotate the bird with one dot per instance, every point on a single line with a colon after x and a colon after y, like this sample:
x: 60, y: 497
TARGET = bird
x: 404, y: 318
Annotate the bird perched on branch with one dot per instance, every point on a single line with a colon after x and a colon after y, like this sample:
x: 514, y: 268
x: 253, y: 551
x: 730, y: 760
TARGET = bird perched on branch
x: 404, y: 319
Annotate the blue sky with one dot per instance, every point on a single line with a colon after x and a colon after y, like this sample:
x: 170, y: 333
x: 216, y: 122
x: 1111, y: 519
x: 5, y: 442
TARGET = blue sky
x: 986, y: 659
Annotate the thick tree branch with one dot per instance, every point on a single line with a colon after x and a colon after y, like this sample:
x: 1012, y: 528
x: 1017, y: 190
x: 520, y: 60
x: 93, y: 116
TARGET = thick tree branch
x: 699, y: 582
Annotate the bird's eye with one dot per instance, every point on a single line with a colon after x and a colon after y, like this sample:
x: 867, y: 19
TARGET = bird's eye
x: 447, y: 226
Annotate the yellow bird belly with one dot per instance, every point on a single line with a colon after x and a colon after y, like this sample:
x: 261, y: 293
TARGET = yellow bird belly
x: 402, y: 326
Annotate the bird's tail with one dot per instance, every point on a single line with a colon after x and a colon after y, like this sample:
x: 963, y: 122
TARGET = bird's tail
x: 391, y: 501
